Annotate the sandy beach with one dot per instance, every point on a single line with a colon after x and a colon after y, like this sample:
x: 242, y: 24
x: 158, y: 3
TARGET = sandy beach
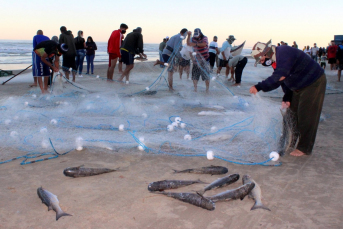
x: 302, y: 193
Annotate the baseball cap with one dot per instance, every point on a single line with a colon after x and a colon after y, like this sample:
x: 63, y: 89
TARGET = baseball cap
x: 197, y: 32
x: 63, y: 48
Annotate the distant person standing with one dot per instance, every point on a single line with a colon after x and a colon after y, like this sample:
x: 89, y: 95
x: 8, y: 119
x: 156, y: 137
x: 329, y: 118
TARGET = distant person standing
x: 295, y: 45
x: 113, y: 49
x: 238, y: 63
x: 308, y: 50
x: 339, y: 57
x: 331, y: 54
x: 314, y: 52
x: 160, y: 50
x: 90, y: 54
x: 67, y: 38
x: 224, y: 56
x: 323, y: 61
x: 80, y: 45
x: 200, y: 63
x: 133, y: 43
x: 36, y: 40
x: 213, y: 51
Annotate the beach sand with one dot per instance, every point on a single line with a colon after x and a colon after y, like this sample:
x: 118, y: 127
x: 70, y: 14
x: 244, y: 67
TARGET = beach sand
x: 304, y: 192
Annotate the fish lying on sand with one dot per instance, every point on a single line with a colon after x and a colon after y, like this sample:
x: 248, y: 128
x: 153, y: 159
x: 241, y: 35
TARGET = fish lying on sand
x: 221, y: 182
x: 171, y: 184
x: 51, y: 201
x: 233, y: 194
x: 85, y: 172
x: 213, y: 170
x: 255, y: 193
x: 192, y: 198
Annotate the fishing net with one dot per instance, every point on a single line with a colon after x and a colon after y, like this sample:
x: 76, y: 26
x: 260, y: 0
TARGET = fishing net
x: 144, y: 115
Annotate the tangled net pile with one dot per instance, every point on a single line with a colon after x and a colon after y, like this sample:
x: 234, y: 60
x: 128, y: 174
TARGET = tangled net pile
x: 141, y: 115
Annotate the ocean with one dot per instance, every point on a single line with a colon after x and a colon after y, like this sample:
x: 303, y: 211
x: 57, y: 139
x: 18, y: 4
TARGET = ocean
x: 17, y: 54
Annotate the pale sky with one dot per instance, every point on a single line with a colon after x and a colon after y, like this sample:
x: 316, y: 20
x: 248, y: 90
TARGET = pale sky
x: 303, y: 21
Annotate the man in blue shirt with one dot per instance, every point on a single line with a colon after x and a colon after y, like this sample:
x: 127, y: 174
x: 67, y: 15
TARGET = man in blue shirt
x: 35, y: 63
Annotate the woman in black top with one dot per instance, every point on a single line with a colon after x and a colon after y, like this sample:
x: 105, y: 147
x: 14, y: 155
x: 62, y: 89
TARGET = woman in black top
x: 90, y: 53
x: 80, y: 51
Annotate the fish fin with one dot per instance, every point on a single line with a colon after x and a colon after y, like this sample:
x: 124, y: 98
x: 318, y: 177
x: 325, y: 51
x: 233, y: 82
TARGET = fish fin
x: 175, y: 171
x: 80, y: 166
x: 50, y: 208
x: 59, y: 215
x: 260, y: 205
x: 200, y: 194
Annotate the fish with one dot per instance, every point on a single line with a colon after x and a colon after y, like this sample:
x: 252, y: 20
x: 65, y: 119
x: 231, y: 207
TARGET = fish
x: 85, y: 172
x: 51, y: 201
x: 221, y: 182
x: 255, y: 193
x: 233, y: 194
x: 170, y: 184
x: 213, y: 170
x: 192, y: 198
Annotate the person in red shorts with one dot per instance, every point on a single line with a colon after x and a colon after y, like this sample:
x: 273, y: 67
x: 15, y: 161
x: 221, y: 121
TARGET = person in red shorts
x: 113, y: 49
x: 332, y: 49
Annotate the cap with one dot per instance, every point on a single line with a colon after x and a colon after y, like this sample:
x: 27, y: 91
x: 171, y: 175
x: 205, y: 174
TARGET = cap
x: 167, y: 37
x: 261, y: 49
x: 197, y: 32
x: 231, y: 38
x: 215, y: 37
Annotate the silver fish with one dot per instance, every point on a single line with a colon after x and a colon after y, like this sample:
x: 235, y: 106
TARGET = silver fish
x: 233, y: 194
x: 213, y: 170
x: 192, y: 198
x: 221, y: 182
x: 255, y: 193
x: 170, y: 184
x: 85, y: 172
x: 51, y: 201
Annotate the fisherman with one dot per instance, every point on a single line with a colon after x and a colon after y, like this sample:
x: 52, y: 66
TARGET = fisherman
x: 173, y: 46
x: 132, y: 44
x: 304, y: 84
x: 43, y: 51
x: 237, y: 64
x: 225, y: 55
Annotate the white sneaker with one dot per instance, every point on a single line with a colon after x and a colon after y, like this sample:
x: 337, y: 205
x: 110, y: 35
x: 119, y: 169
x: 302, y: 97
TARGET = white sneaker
x: 80, y: 75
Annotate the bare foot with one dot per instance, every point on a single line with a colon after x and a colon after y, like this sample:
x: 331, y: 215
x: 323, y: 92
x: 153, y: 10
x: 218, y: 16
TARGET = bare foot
x: 236, y: 84
x: 156, y: 63
x: 171, y: 89
x: 297, y: 153
x: 33, y: 85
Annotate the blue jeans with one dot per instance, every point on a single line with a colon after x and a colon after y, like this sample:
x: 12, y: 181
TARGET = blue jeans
x: 80, y: 56
x: 315, y: 58
x: 161, y: 58
x: 90, y: 60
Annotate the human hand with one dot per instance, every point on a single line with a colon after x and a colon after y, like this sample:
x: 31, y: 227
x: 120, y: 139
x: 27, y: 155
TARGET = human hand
x: 189, y: 32
x: 55, y: 69
x: 285, y: 105
x: 253, y: 90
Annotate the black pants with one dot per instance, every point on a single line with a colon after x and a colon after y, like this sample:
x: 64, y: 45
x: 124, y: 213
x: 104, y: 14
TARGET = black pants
x: 239, y: 69
x: 212, y: 59
x: 306, y: 106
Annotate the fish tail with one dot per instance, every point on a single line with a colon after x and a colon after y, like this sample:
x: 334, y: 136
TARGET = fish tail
x: 175, y: 171
x: 60, y: 214
x: 259, y: 205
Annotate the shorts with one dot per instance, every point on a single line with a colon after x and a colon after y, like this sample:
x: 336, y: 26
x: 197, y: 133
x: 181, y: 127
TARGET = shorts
x: 112, y: 56
x: 127, y: 57
x: 202, y: 70
x: 68, y: 62
x: 39, y: 69
x: 165, y: 58
x: 223, y: 63
x: 332, y: 61
x: 340, y: 66
x: 322, y: 64
x: 184, y: 63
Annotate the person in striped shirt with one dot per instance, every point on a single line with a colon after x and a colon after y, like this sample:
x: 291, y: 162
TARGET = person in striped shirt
x: 201, y: 59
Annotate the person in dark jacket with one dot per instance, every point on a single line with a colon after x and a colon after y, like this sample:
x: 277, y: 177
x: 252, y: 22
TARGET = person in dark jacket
x: 90, y: 53
x: 80, y: 46
x: 68, y: 57
x: 304, y: 84
x: 132, y: 45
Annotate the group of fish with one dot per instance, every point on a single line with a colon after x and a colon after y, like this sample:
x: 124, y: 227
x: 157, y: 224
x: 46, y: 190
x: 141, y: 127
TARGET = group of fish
x: 249, y: 187
x: 51, y: 200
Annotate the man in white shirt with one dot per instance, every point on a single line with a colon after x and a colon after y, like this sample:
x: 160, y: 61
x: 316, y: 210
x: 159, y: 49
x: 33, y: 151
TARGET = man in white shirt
x: 213, y: 51
x: 224, y: 56
x: 314, y: 52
